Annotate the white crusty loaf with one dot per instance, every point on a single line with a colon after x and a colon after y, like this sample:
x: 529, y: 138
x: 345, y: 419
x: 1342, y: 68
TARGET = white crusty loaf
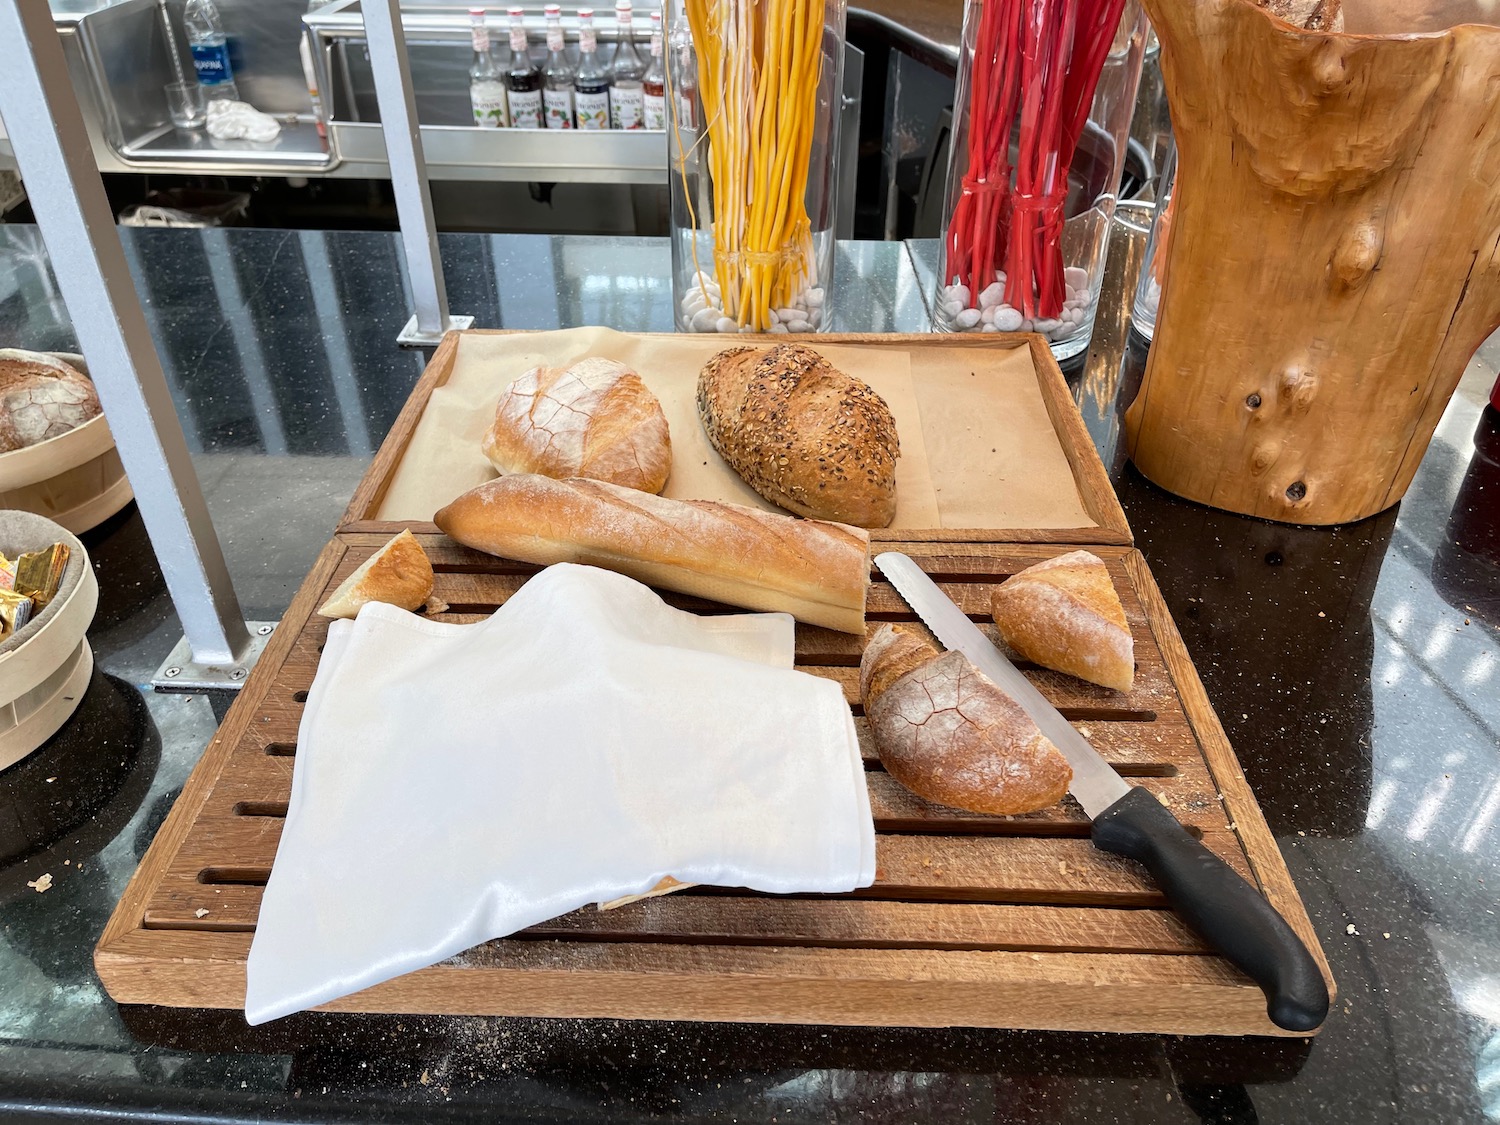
x: 594, y: 419
x: 948, y: 734
x: 398, y: 574
x: 802, y: 433
x: 41, y: 397
x: 1065, y: 614
x: 818, y: 572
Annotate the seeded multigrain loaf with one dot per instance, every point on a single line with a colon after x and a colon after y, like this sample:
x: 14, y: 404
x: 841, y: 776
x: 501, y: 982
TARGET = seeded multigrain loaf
x: 947, y: 733
x: 802, y: 433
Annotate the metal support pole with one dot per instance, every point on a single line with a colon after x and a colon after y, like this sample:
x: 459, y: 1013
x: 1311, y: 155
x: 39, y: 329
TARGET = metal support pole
x: 403, y: 146
x: 57, y: 166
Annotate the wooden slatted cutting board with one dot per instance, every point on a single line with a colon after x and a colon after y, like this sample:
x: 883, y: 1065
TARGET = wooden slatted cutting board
x: 973, y: 920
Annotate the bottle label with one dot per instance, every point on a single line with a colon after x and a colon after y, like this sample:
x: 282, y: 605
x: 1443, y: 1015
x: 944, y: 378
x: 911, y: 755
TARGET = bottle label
x: 481, y: 38
x: 626, y: 107
x: 559, y: 108
x: 488, y: 99
x: 555, y: 39
x: 588, y: 41
x: 685, y: 111
x: 211, y: 61
x: 592, y: 109
x: 518, y: 40
x: 525, y: 109
x: 654, y: 111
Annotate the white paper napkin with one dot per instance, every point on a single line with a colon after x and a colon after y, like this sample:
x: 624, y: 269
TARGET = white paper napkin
x: 456, y: 783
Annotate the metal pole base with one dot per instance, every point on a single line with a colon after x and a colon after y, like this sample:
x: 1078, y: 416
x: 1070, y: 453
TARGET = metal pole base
x: 413, y: 337
x: 180, y: 675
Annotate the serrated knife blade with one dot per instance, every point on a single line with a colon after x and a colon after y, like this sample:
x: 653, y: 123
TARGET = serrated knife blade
x: 1095, y: 783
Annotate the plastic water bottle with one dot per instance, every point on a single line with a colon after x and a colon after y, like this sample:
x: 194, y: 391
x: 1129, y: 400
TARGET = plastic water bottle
x: 206, y: 39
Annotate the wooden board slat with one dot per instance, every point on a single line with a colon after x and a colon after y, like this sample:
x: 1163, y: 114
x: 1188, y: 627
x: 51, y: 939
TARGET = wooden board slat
x: 964, y: 904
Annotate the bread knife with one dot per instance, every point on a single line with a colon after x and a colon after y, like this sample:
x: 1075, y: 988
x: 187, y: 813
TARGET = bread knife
x: 1227, y: 912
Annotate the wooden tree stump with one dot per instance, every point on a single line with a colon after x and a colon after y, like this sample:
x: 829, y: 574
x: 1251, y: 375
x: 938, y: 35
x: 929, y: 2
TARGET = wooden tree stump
x: 1335, y: 258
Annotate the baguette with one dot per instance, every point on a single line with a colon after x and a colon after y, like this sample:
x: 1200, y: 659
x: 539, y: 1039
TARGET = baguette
x: 1065, y: 614
x: 947, y: 733
x: 802, y: 433
x: 818, y: 572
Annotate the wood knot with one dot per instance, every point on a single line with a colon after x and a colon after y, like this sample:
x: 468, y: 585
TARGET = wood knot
x: 1263, y: 456
x: 1297, y: 389
x: 1357, y: 254
x: 1329, y: 70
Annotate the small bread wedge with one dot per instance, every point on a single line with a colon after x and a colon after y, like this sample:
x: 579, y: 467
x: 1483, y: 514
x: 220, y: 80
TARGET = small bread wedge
x: 1064, y: 614
x: 398, y: 574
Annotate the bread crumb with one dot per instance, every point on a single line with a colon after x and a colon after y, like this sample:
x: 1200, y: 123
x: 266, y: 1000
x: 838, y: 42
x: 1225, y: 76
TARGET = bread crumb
x: 426, y: 1078
x: 1350, y: 930
x: 44, y: 883
x: 200, y: 913
x: 1386, y: 935
x: 50, y: 780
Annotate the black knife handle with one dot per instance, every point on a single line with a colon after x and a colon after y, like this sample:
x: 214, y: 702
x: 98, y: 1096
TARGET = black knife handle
x: 1227, y: 912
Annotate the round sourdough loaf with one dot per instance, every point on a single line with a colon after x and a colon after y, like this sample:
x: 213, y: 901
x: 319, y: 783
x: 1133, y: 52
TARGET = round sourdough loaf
x: 947, y: 733
x: 593, y: 419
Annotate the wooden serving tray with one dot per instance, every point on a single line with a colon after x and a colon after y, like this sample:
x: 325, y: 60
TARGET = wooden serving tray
x: 1095, y: 495
x: 1015, y: 922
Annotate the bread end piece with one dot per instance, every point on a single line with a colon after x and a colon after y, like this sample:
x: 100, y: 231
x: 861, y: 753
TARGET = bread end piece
x: 398, y: 574
x: 1065, y: 614
x: 950, y: 735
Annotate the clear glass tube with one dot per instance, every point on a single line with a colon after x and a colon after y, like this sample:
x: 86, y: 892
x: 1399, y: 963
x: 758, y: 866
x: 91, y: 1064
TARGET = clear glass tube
x: 752, y: 131
x: 1154, y: 262
x: 1059, y: 263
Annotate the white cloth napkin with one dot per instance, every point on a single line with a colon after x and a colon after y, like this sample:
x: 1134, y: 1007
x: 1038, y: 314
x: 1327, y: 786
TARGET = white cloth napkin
x: 240, y: 121
x: 456, y: 783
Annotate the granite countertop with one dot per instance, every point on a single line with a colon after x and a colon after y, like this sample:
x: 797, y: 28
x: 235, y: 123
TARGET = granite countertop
x: 1355, y: 670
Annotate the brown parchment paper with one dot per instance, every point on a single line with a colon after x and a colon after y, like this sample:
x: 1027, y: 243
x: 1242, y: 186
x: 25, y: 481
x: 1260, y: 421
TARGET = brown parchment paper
x: 977, y: 446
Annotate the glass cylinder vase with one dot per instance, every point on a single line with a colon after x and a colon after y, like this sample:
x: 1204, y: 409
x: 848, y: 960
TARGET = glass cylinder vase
x: 752, y: 132
x: 1154, y: 259
x: 1043, y: 105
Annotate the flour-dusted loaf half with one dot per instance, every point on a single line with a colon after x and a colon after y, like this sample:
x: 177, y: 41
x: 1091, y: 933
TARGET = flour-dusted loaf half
x: 398, y: 574
x: 594, y: 418
x: 947, y: 733
x: 816, y: 571
x: 1065, y: 614
x: 41, y: 397
x: 802, y: 433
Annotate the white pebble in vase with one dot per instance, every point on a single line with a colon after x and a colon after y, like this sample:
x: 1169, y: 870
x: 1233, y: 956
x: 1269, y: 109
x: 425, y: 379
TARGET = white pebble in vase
x: 991, y: 295
x: 1076, y: 277
x: 966, y: 319
x: 814, y: 298
x: 705, y: 320
x: 727, y: 324
x: 1008, y: 319
x: 799, y: 326
x: 951, y: 308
